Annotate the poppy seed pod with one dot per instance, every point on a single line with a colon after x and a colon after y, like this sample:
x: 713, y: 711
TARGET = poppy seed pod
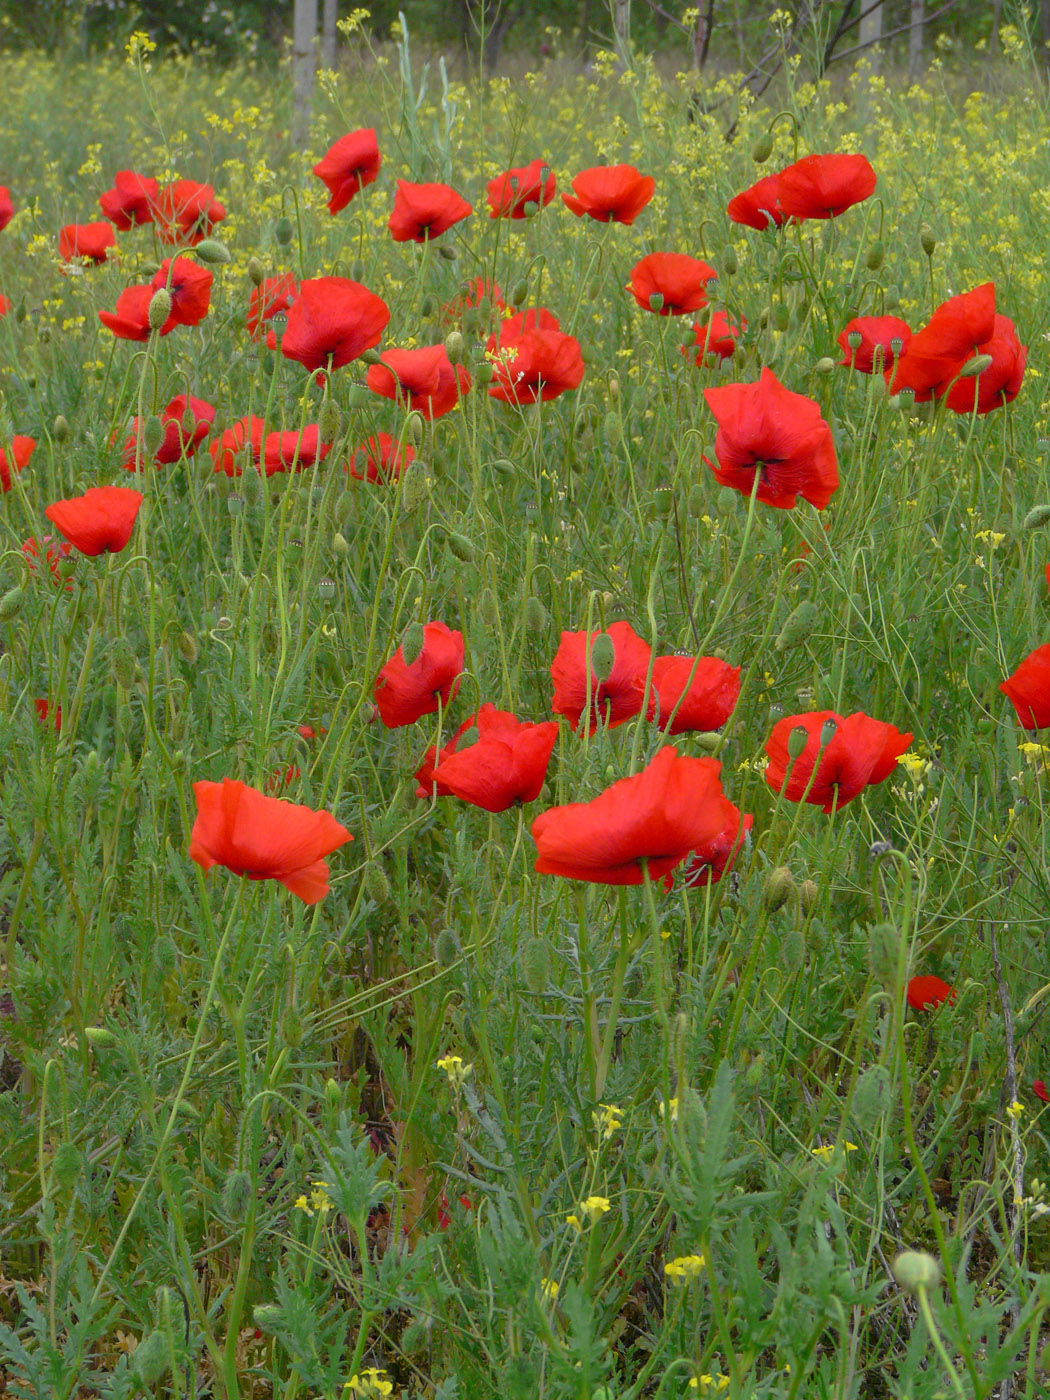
x: 159, y: 308
x: 797, y: 741
x: 60, y: 429
x: 603, y: 657
x: 729, y: 263
x: 412, y: 642
x: 779, y: 887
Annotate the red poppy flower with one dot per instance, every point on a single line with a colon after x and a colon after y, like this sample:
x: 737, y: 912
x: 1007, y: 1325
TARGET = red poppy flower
x: 45, y: 712
x: 538, y: 364
x: 711, y: 688
x: 926, y: 993
x: 710, y: 861
x: 294, y: 452
x: 822, y: 187
x: 998, y: 384
x: 876, y: 333
x: 53, y: 555
x: 22, y: 448
x: 98, y: 522
x: 130, y: 319
x: 1028, y: 689
x: 7, y: 208
x: 5, y: 304
x: 90, y: 241
x: 715, y: 336
x: 848, y: 755
x: 507, y: 762
x: 1039, y: 1089
x: 423, y: 379
x: 333, y: 319
x: 381, y: 458
x: 283, y: 777
x: 276, y: 294
x: 264, y: 838
x: 614, y: 700
x: 670, y: 283
x: 610, y: 193
x: 509, y: 193
x: 471, y: 294
x: 423, y: 212
x: 239, y: 444
x: 186, y: 423
x: 189, y: 286
x: 187, y: 212
x: 659, y: 816
x: 766, y: 428
x: 935, y: 354
x: 131, y: 201
x: 759, y: 206
x: 348, y: 166
x: 405, y: 693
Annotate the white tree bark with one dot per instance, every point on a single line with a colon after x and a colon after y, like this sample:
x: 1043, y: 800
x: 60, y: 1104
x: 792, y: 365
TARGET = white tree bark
x: 328, y: 34
x: 870, y: 33
x: 304, y: 37
x: 915, y: 36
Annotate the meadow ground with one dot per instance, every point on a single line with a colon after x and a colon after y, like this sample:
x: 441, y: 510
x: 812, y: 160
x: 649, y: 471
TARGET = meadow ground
x: 459, y: 1126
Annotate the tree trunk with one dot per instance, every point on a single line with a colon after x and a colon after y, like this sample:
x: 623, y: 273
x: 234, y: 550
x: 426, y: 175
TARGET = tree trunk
x: 328, y: 34
x: 304, y: 36
x: 1044, y: 29
x: 918, y: 19
x: 621, y: 18
x: 871, y: 33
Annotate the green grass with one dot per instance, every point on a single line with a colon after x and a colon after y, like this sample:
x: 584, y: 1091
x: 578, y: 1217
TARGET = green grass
x: 186, y: 1059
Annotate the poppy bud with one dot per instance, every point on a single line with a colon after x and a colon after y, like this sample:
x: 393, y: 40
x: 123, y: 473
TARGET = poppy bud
x: 872, y: 1096
x: 159, y: 308
x: 284, y: 231
x: 519, y: 293
x: 876, y: 256
x: 612, y: 429
x: 762, y: 149
x: 292, y: 1029
x: 1036, y: 517
x: 928, y: 240
x: 779, y: 887
x: 329, y: 421
x: 415, y: 487
x: 332, y: 1093
x: 67, y: 1165
x: 123, y: 661
x: 236, y: 1196
x: 412, y: 643
x: 99, y: 1037
x: 210, y: 250
x: 60, y: 429
x: 152, y: 435
x: 461, y: 547
x: 359, y: 397
x: 781, y: 316
x: 808, y: 894
x: 20, y: 312
x: 915, y: 1270
x: 656, y: 301
x: 972, y: 368
x: 488, y: 607
x: 455, y: 347
x: 11, y: 604
x: 603, y: 657
x: 730, y: 266
x: 825, y: 365
x: 357, y: 272
x: 429, y: 307
x: 447, y: 951
x: 792, y: 950
x: 377, y: 886
x: 708, y: 741
x: 883, y: 952
x: 536, y: 964
x: 416, y: 425
x: 448, y: 253
x: 797, y: 627
x: 535, y: 614
x: 256, y: 271
x: 186, y: 644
